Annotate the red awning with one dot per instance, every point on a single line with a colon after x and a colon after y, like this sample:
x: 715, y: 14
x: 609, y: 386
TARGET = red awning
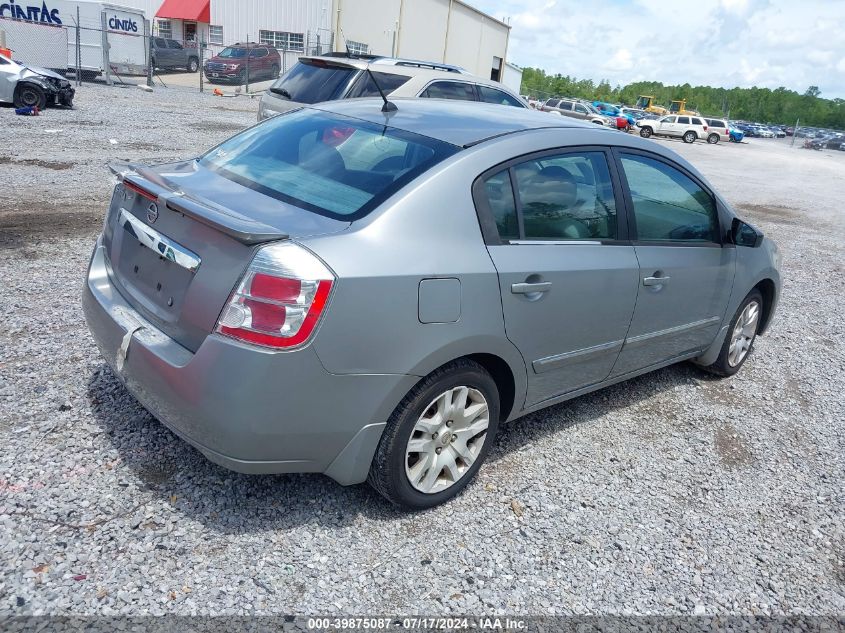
x: 191, y: 10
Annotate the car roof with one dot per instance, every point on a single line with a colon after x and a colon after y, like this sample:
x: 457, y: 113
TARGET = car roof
x: 461, y: 123
x: 380, y: 61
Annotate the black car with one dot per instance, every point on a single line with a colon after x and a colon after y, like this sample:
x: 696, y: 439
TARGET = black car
x: 837, y: 142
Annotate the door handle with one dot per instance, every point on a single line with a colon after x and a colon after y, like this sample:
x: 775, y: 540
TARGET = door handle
x: 655, y: 281
x: 526, y: 288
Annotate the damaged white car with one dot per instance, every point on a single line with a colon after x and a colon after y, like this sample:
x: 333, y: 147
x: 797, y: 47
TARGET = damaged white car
x: 34, y: 87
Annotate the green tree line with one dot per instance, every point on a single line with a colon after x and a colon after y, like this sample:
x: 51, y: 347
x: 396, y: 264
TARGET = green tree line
x: 753, y: 104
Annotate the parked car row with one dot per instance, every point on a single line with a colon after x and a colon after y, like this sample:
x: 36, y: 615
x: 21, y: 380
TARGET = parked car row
x: 760, y: 131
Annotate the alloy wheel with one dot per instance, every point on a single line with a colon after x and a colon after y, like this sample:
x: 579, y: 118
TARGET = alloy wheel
x: 743, y: 333
x: 447, y: 439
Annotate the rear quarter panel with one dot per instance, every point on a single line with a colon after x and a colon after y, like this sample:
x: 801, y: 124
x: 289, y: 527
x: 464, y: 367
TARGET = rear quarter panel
x: 427, y: 230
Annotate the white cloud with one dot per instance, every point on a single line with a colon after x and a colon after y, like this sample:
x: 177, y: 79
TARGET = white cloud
x: 621, y: 60
x: 768, y: 43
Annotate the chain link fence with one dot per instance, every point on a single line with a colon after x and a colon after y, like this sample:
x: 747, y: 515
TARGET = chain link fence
x: 91, y: 49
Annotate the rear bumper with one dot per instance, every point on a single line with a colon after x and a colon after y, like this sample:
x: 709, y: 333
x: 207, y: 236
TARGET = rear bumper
x: 246, y: 409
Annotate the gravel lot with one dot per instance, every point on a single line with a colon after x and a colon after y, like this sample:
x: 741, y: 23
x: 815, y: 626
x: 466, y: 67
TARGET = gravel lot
x: 672, y: 493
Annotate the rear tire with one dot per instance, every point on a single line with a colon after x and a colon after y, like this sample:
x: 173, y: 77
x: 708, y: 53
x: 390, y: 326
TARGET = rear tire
x: 739, y: 341
x: 646, y: 132
x: 690, y: 137
x: 713, y: 139
x: 451, y: 401
x: 30, y: 95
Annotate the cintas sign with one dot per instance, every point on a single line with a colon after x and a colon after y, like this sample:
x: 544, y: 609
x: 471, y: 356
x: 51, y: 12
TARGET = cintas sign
x: 32, y: 13
x: 118, y: 24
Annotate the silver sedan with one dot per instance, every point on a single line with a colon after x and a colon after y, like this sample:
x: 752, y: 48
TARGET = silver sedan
x: 368, y: 292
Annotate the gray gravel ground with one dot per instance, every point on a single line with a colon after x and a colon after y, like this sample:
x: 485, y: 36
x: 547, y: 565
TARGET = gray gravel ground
x: 672, y: 493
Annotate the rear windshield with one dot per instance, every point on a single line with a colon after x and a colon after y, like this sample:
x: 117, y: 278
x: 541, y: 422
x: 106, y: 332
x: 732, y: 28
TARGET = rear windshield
x: 313, y: 81
x: 366, y: 87
x: 326, y: 163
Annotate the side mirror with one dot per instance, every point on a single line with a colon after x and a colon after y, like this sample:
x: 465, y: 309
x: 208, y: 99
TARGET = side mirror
x: 744, y: 234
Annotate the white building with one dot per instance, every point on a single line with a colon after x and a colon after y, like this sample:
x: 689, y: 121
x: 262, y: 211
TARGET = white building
x: 447, y: 31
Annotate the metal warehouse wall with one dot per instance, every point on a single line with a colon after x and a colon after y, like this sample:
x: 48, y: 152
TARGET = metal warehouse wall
x: 439, y: 30
x: 242, y: 18
x: 149, y: 7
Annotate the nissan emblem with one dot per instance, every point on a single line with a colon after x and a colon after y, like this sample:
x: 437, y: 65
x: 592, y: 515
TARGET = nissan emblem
x: 152, y: 213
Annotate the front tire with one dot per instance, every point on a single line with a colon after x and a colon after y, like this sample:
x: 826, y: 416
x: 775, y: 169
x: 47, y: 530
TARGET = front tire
x: 740, y: 338
x: 437, y: 438
x: 690, y: 137
x: 30, y: 95
x: 193, y: 65
x: 646, y: 132
x: 713, y: 139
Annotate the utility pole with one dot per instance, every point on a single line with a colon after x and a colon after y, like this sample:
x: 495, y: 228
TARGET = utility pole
x: 248, y: 55
x: 148, y: 40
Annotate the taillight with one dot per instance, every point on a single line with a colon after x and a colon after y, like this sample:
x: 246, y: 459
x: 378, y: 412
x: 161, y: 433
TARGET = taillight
x: 280, y: 299
x: 705, y: 128
x: 141, y: 192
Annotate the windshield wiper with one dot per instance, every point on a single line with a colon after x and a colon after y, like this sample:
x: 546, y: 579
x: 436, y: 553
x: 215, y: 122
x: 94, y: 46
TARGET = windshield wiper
x: 281, y: 92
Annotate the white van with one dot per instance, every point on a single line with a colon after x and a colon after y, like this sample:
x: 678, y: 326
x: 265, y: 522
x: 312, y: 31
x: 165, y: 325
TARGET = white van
x: 45, y: 34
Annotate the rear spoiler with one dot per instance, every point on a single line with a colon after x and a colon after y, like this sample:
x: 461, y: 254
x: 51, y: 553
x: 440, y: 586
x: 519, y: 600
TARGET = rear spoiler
x: 242, y: 229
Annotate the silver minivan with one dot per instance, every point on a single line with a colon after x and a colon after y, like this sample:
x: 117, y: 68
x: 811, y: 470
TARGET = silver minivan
x: 577, y: 110
x: 369, y: 294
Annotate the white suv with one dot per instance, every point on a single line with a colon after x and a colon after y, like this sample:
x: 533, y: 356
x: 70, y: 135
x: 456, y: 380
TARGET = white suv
x: 340, y: 76
x: 688, y: 128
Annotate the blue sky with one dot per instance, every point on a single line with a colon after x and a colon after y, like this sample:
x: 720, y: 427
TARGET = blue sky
x: 765, y: 43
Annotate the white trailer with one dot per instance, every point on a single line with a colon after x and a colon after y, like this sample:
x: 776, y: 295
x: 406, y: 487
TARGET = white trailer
x: 45, y: 34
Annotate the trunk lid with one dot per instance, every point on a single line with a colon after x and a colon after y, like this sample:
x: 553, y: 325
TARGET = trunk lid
x: 178, y: 238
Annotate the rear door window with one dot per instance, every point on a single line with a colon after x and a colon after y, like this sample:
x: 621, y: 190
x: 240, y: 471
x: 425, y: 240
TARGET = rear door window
x: 565, y: 105
x: 310, y: 82
x: 491, y: 95
x: 326, y: 163
x: 560, y: 197
x: 500, y: 196
x: 450, y: 90
x: 683, y: 120
x: 566, y: 197
x: 365, y: 87
x: 174, y: 44
x: 160, y: 42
